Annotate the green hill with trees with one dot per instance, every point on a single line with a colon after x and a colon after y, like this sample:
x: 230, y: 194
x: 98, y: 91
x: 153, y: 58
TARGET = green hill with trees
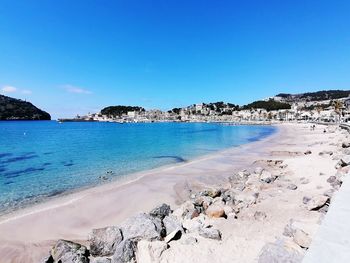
x: 268, y: 105
x: 16, y: 109
x: 120, y: 110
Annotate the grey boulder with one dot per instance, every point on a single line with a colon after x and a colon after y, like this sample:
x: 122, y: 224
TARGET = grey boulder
x: 143, y: 226
x: 211, y: 233
x: 125, y: 252
x: 280, y: 252
x: 103, y: 241
x: 68, y: 252
x: 161, y: 211
x: 171, y: 224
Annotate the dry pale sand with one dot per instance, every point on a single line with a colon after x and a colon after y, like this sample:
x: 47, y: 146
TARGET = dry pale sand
x: 27, y: 235
x: 243, y: 238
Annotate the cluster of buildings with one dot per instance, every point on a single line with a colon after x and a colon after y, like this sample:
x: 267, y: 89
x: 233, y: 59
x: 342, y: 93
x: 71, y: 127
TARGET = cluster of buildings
x: 319, y: 111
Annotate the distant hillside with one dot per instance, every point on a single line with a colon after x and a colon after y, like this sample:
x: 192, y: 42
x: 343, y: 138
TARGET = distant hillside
x: 119, y: 110
x: 15, y: 109
x: 267, y: 105
x: 315, y: 96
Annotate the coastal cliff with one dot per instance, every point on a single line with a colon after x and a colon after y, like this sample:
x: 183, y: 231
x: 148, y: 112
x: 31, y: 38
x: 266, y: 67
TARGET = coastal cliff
x: 16, y: 109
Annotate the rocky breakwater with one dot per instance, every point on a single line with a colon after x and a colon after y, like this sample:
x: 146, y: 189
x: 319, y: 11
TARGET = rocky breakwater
x: 145, y: 236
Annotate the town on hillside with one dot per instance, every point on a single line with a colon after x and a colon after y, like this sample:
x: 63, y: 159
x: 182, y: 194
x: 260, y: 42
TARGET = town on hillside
x: 323, y: 106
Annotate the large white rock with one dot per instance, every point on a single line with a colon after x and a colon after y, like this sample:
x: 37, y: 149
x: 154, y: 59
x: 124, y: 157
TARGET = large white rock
x: 171, y: 224
x: 191, y: 225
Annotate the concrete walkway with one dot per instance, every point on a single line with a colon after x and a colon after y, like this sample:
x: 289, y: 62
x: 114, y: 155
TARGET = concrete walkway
x: 332, y: 241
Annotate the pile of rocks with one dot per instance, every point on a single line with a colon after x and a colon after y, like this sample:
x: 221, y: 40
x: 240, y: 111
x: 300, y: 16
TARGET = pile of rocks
x: 141, y: 238
x: 145, y: 236
x: 292, y: 247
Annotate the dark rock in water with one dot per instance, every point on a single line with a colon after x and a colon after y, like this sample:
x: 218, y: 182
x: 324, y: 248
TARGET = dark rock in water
x: 103, y: 241
x: 161, y: 211
x: 15, y: 109
x: 68, y: 252
x: 125, y: 251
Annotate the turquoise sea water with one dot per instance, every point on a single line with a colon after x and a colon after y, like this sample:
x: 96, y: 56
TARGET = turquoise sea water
x: 43, y: 159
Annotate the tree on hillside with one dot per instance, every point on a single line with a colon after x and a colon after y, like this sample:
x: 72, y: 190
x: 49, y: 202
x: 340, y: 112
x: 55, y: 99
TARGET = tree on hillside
x: 269, y: 105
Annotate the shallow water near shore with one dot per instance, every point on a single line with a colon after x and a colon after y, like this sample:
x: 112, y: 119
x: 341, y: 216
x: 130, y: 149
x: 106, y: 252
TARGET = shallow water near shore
x: 43, y: 159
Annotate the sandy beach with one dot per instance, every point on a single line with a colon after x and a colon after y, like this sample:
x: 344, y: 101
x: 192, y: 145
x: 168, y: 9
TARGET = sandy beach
x: 27, y: 235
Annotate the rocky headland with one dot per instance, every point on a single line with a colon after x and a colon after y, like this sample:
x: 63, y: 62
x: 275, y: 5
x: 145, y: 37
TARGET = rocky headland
x: 267, y: 212
x: 15, y: 109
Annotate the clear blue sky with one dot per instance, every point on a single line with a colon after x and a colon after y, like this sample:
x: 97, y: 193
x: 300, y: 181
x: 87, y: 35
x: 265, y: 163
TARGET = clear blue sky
x: 71, y: 57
